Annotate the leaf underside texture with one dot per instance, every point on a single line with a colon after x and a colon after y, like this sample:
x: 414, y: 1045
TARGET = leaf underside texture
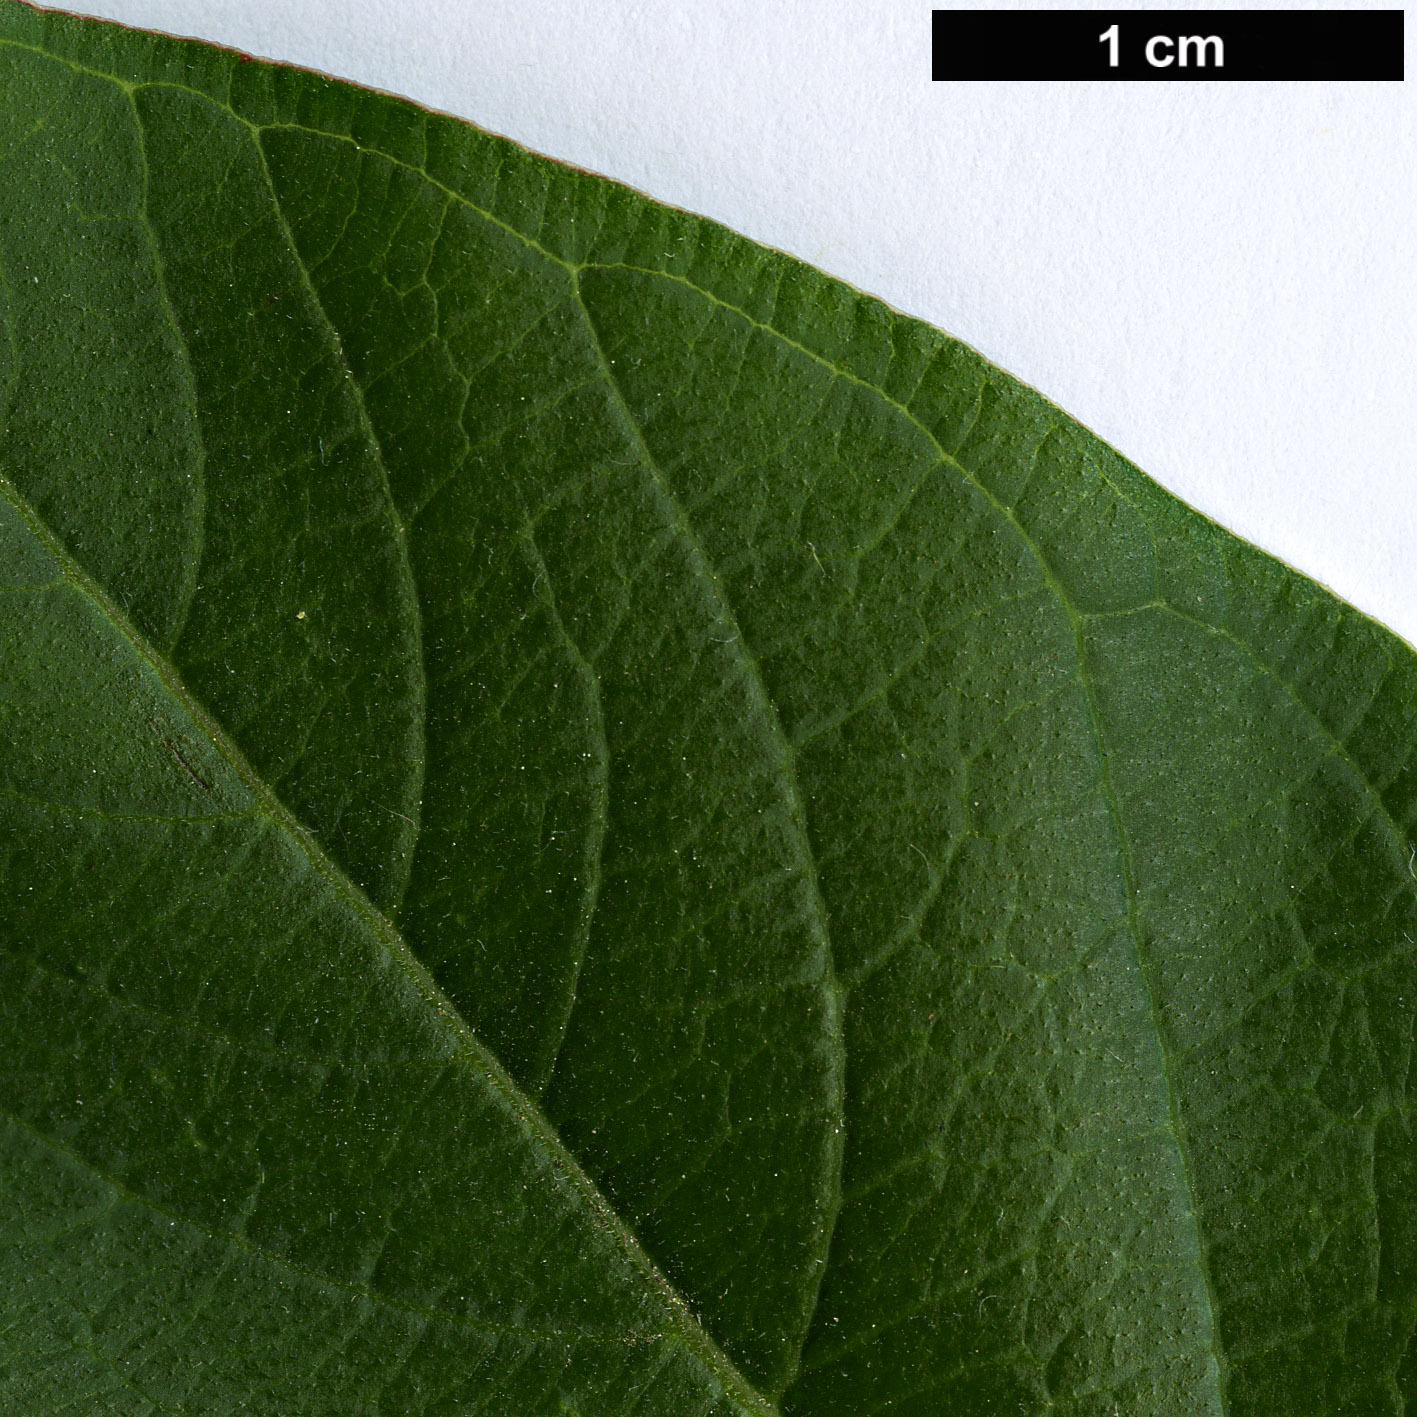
x: 595, y: 822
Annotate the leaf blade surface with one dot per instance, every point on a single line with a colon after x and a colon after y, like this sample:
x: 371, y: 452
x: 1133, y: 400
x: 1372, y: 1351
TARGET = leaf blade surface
x: 950, y: 898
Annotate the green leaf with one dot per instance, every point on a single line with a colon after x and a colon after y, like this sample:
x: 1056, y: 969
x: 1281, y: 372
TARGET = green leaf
x: 596, y: 823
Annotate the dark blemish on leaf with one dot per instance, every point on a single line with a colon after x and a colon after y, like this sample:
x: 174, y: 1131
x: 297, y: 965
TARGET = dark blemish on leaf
x: 177, y: 753
x: 191, y: 771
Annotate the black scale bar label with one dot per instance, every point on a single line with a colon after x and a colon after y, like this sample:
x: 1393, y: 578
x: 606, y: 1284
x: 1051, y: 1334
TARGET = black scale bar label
x: 1167, y: 45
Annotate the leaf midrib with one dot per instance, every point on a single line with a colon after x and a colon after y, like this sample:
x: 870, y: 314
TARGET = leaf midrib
x: 466, y: 1046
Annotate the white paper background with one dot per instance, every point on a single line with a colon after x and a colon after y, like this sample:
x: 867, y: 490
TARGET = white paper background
x: 1221, y: 279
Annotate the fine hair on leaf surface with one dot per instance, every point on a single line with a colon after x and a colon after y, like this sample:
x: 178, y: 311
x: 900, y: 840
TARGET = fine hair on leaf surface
x: 596, y: 822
